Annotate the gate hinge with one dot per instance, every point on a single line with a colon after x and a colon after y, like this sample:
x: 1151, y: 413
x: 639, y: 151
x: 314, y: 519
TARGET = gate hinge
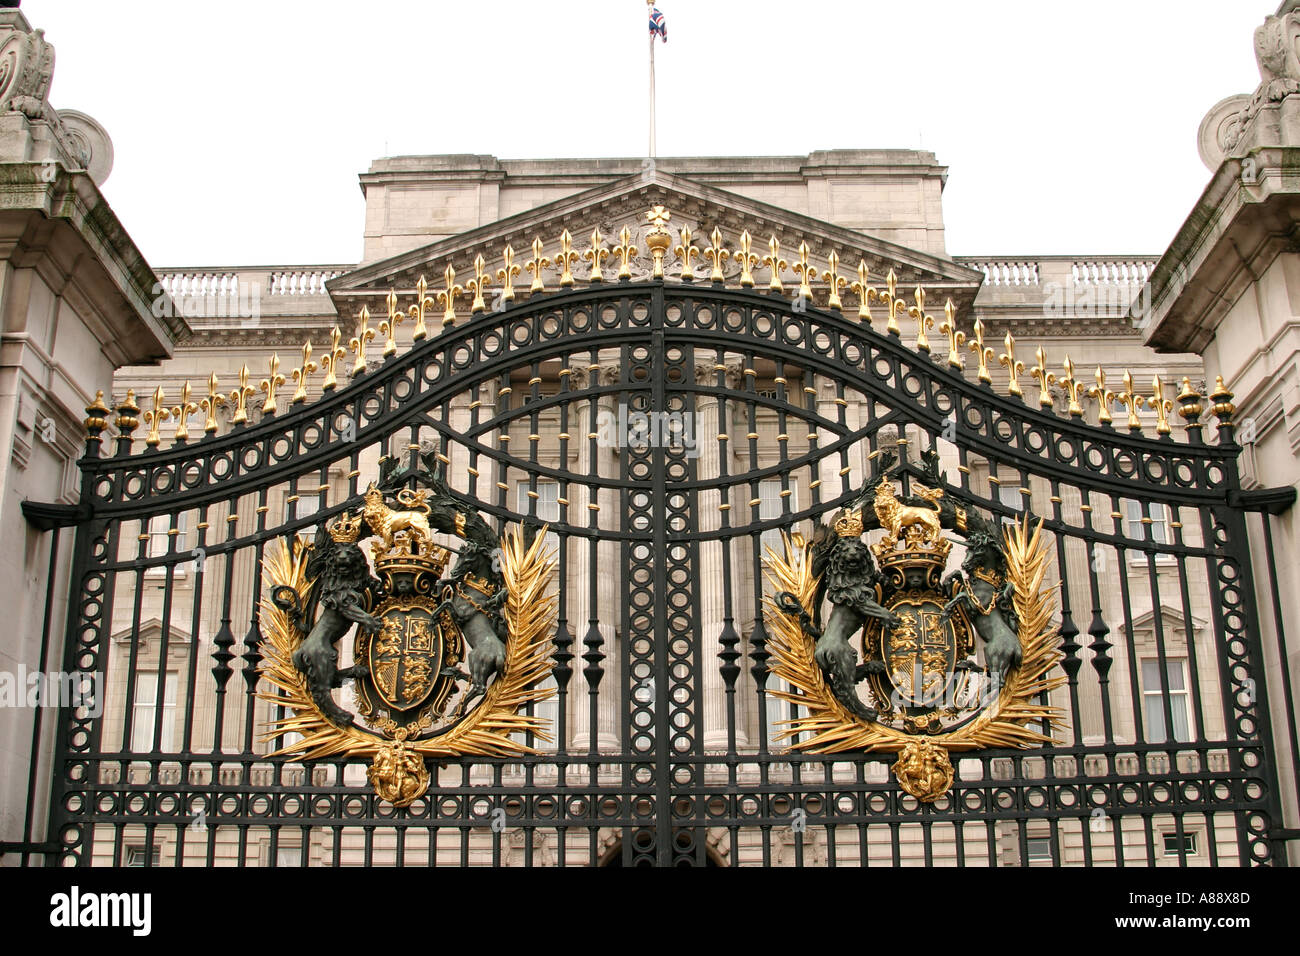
x: 46, y: 517
x: 1283, y: 833
x: 1275, y: 501
x: 28, y: 848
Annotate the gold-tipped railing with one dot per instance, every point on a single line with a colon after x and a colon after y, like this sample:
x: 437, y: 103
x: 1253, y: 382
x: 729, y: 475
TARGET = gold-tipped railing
x: 659, y: 241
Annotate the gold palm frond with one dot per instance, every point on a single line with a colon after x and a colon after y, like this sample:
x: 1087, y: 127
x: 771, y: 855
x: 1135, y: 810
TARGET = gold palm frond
x: 487, y: 730
x: 828, y: 726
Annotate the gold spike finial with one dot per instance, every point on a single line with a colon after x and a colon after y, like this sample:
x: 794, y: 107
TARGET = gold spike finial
x: 837, y: 282
x: 1015, y: 368
x: 506, y: 275
x: 299, y: 375
x: 155, y: 417
x: 746, y: 259
x: 239, y: 398
x: 535, y: 265
x: 181, y: 414
x: 1044, y: 378
x: 596, y: 255
x: 686, y: 252
x: 983, y: 353
x: 865, y: 292
x: 716, y: 255
x: 330, y: 363
x: 478, y: 284
x: 358, y: 342
x: 210, y: 405
x: 1074, y: 389
x: 566, y: 259
x: 447, y: 296
x: 625, y: 251
x: 776, y: 264
x: 806, y: 273
x: 388, y: 327
x: 1132, y: 401
x: 269, y: 384
x: 923, y: 320
x: 1163, y: 406
x: 956, y: 339
x: 1103, y: 396
x: 423, y: 303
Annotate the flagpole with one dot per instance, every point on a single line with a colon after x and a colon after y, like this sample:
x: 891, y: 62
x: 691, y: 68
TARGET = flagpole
x: 650, y: 7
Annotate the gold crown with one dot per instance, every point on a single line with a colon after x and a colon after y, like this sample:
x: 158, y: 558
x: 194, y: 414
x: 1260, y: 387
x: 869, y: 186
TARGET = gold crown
x: 912, y: 551
x: 411, y: 552
x: 347, y: 528
x: 849, y: 524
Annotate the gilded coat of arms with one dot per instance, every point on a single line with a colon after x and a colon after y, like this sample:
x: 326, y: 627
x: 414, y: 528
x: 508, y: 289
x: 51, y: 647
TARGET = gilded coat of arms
x: 444, y: 662
x: 920, y: 630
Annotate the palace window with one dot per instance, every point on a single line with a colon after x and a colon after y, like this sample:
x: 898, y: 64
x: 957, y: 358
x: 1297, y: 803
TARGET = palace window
x: 547, y: 502
x: 1159, y: 520
x: 1172, y: 843
x: 1154, y: 693
x: 145, y: 713
x: 160, y: 542
x: 308, y: 504
x: 1038, y: 850
x: 137, y: 855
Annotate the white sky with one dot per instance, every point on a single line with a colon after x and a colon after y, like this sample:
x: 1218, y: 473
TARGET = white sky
x: 240, y: 128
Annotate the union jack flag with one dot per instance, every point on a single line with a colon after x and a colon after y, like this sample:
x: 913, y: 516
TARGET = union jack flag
x: 658, y: 24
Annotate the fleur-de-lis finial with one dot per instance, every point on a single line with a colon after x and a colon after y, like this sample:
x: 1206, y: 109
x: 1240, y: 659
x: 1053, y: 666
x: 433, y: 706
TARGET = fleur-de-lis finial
x: 155, y: 417
x: 358, y: 342
x: 984, y: 354
x: 565, y: 259
x: 1014, y: 367
x: 775, y: 264
x: 447, y: 296
x: 865, y: 292
x: 1044, y: 378
x: 625, y: 251
x: 210, y: 405
x: 955, y: 338
x: 535, y: 265
x: 596, y: 255
x: 1163, y: 406
x: 330, y: 363
x: 747, y: 260
x: 506, y: 275
x: 1074, y: 389
x: 716, y: 255
x: 923, y: 320
x: 1131, y: 401
x: 805, y: 272
x: 299, y: 375
x: 837, y: 282
x: 423, y: 303
x: 269, y: 384
x: 478, y: 284
x: 239, y: 398
x: 182, y: 412
x: 686, y: 252
x: 388, y: 327
x: 1103, y: 396
x: 893, y: 303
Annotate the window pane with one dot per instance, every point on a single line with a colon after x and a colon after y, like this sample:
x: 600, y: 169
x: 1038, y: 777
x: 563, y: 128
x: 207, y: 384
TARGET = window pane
x: 1174, y: 668
x: 1155, y: 714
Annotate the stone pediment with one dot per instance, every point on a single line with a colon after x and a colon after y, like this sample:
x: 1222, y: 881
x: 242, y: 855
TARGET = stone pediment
x: 623, y: 204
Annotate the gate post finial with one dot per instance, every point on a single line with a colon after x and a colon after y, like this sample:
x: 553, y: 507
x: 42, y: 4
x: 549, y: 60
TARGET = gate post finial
x: 1190, y: 408
x: 128, y: 420
x: 96, y: 422
x: 1223, y: 409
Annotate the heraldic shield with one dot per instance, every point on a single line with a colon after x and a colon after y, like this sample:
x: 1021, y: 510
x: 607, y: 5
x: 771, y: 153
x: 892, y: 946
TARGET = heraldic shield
x: 951, y: 661
x: 444, y: 663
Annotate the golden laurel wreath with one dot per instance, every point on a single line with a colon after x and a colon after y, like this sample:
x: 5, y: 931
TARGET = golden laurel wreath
x: 829, y: 727
x: 489, y: 729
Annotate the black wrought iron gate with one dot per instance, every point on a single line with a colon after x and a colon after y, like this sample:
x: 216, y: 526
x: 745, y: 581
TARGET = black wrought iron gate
x: 666, y: 432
